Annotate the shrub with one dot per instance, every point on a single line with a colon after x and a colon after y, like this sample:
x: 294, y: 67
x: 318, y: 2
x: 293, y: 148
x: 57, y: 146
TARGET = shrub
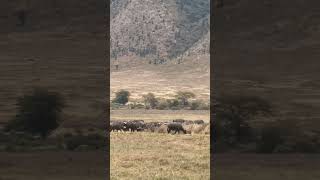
x: 173, y: 104
x: 199, y: 105
x: 150, y: 101
x: 122, y: 97
x: 183, y: 97
x: 38, y: 113
x: 232, y: 116
x: 162, y: 105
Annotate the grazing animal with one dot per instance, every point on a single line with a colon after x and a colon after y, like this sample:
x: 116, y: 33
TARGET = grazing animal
x: 136, y: 125
x: 176, y: 127
x: 198, y: 122
x: 118, y: 126
x: 179, y: 121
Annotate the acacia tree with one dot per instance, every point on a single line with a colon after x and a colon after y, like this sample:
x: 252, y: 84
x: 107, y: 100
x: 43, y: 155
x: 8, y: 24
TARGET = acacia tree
x: 38, y: 113
x: 122, y: 97
x: 150, y: 100
x: 184, y: 96
x: 233, y: 113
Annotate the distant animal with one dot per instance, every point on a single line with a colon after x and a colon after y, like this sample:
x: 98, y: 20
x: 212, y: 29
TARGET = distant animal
x: 118, y: 126
x: 176, y: 127
x: 198, y: 121
x: 135, y: 125
x: 179, y: 120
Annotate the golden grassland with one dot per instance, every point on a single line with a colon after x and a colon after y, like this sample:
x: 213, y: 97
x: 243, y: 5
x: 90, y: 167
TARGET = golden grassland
x: 159, y: 156
x: 146, y: 155
x: 60, y: 165
x: 266, y: 167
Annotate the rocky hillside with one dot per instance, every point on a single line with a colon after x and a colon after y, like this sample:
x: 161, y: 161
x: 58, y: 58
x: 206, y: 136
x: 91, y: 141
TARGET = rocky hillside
x: 159, y: 28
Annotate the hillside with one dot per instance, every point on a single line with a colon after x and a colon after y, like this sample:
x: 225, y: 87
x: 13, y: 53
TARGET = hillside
x: 161, y: 29
x: 66, y: 41
x: 160, y: 47
x: 271, y: 50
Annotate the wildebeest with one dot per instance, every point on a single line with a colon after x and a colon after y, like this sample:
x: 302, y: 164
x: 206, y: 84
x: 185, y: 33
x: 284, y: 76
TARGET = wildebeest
x: 179, y: 120
x: 198, y: 121
x: 118, y: 126
x: 135, y: 125
x: 176, y: 127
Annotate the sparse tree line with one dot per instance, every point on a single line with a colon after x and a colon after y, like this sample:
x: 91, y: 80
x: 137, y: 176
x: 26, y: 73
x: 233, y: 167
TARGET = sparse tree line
x: 181, y: 100
x: 236, y: 126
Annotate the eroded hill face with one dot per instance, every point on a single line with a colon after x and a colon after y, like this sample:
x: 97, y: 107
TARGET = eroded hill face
x: 165, y: 29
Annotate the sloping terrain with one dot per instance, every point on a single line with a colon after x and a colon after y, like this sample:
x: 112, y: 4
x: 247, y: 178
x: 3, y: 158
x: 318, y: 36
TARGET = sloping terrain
x: 160, y: 47
x: 270, y: 49
x: 139, y: 77
x: 66, y: 42
x: 159, y: 28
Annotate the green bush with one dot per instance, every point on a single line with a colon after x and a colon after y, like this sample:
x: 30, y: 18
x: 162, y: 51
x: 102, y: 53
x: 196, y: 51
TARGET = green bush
x: 122, y: 97
x: 38, y: 113
x: 183, y: 97
x: 199, y: 105
x: 232, y: 117
x: 150, y: 101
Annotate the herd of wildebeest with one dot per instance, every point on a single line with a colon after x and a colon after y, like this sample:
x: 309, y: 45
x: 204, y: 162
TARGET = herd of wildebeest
x: 175, y: 126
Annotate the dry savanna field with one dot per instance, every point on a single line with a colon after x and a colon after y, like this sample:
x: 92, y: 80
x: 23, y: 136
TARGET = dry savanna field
x: 153, y: 155
x: 159, y: 155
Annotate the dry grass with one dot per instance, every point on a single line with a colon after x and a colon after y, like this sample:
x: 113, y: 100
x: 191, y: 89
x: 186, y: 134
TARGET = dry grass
x: 266, y: 167
x: 163, y: 80
x: 53, y: 165
x: 159, y: 156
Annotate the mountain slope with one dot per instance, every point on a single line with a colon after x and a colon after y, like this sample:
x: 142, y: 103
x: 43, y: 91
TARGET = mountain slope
x: 164, y: 29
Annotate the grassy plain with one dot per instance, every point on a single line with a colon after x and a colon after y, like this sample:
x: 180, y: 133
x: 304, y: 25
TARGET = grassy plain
x: 266, y: 167
x: 147, y: 155
x: 159, y: 156
x: 60, y: 165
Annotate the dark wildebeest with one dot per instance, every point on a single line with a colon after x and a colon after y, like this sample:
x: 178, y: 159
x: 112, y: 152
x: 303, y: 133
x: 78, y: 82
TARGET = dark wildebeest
x: 179, y: 121
x: 136, y: 125
x: 176, y: 127
x: 198, y: 121
x: 118, y: 126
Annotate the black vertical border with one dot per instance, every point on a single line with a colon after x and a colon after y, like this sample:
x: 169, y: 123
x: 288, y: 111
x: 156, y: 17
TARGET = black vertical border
x: 212, y: 128
x: 107, y: 75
